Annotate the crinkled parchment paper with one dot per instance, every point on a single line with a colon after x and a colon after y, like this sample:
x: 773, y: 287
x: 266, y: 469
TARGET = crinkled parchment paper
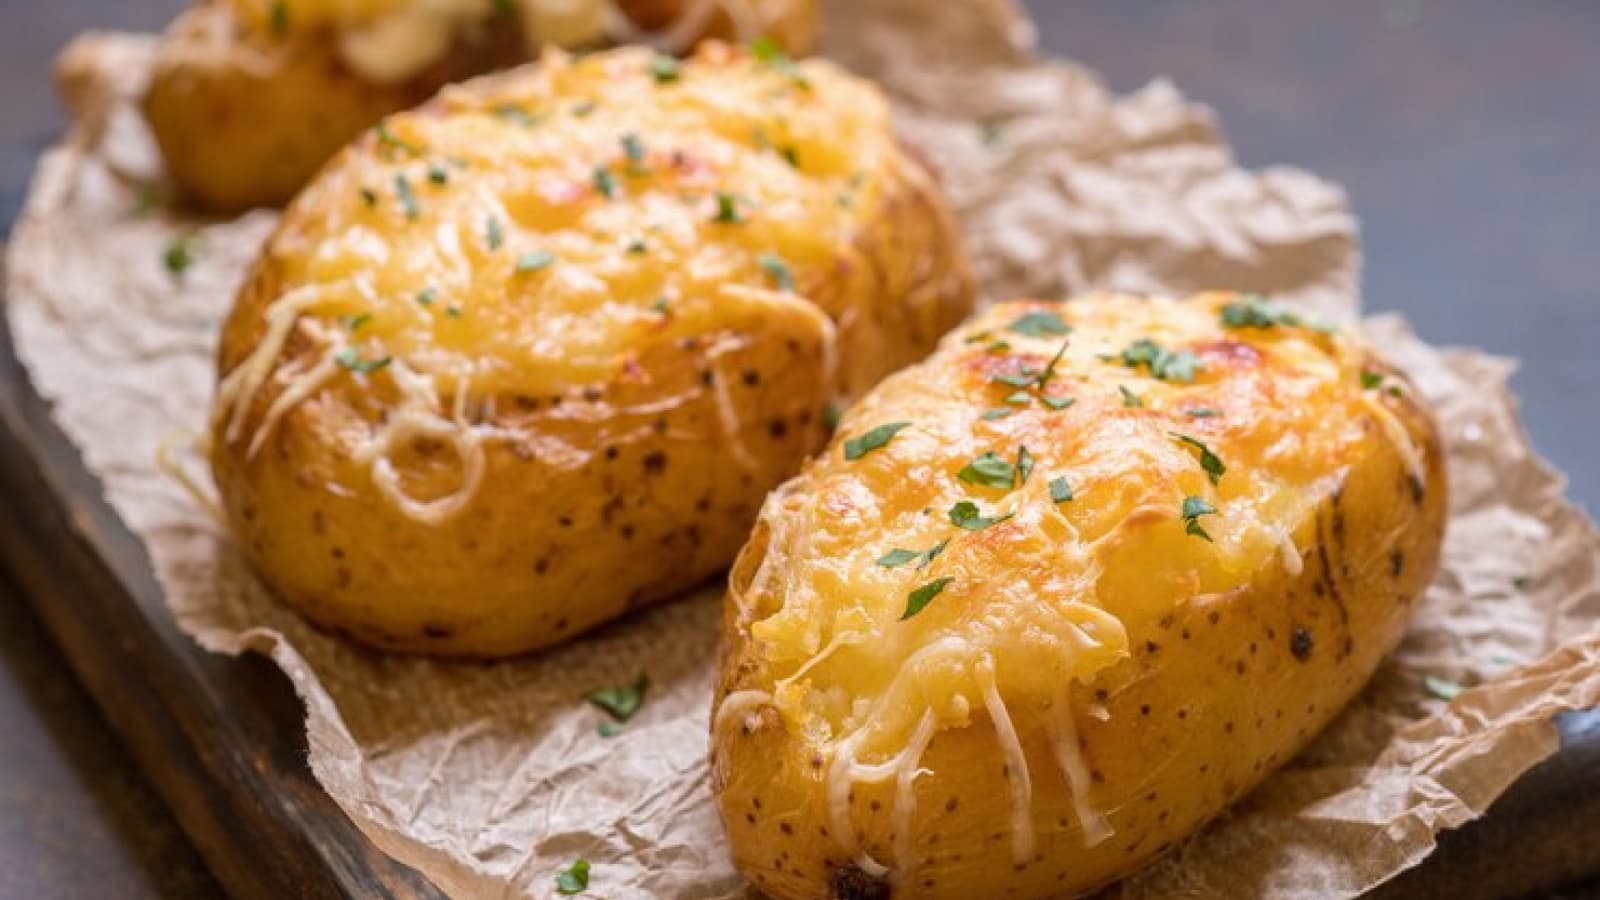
x: 491, y: 778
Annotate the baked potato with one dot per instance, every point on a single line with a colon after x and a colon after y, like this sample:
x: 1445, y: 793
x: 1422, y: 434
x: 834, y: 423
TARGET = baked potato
x: 531, y: 356
x: 1057, y: 595
x: 249, y: 97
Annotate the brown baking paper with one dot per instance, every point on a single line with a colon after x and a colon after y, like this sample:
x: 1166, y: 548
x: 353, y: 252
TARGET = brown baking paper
x: 491, y: 778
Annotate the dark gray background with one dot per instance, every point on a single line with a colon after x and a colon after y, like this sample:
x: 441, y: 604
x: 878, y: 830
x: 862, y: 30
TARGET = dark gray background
x: 1467, y: 133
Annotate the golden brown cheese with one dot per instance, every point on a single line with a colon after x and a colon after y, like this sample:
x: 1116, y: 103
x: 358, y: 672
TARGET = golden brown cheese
x: 532, y: 355
x: 1120, y: 559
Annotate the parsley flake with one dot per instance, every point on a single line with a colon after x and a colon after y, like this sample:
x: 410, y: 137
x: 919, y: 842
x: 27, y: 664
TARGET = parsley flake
x: 426, y: 295
x: 899, y: 557
x: 438, y: 174
x: 493, y: 233
x: 351, y: 359
x: 1130, y: 400
x: 1162, y: 363
x: 1039, y: 323
x: 633, y: 148
x: 574, y: 880
x: 727, y: 209
x: 388, y: 139
x: 1202, y: 412
x: 179, y: 255
x: 996, y: 412
x: 1193, y: 509
x: 356, y: 321
x: 989, y: 470
x: 778, y: 269
x: 605, y: 182
x: 1060, y: 490
x: 623, y: 701
x: 855, y: 448
x: 768, y: 51
x: 1024, y: 465
x: 665, y: 68
x: 1208, y: 460
x: 918, y: 600
x: 408, y: 200
x: 280, y: 17
x: 1057, y: 403
x: 1442, y: 688
x: 1370, y: 379
x: 967, y: 516
x: 514, y: 113
x: 534, y: 260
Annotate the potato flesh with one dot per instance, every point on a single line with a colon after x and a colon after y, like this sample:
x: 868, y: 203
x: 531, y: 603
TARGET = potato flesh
x: 509, y: 368
x: 1065, y: 606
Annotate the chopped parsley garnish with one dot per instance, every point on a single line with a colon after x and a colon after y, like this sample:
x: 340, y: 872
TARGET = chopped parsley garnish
x: 989, y: 470
x: 514, y: 113
x: 605, y: 182
x: 1056, y: 403
x: 351, y: 359
x: 355, y: 321
x: 1050, y: 367
x: 1256, y: 311
x: 633, y: 148
x: 1021, y: 380
x: 427, y: 295
x: 280, y: 17
x: 493, y: 233
x: 1522, y: 583
x: 534, y: 260
x: 1202, y: 412
x: 1024, y: 465
x: 831, y: 414
x: 1039, y: 323
x: 899, y: 557
x: 1130, y: 400
x: 1208, y: 460
x: 857, y: 447
x: 768, y: 51
x: 1019, y: 398
x: 727, y: 209
x: 966, y: 515
x: 438, y: 174
x: 1060, y: 490
x: 608, y: 729
x: 408, y: 200
x: 369, y: 196
x: 576, y: 879
x: 1370, y: 379
x: 1442, y: 688
x: 996, y: 412
x: 623, y: 701
x: 918, y: 599
x: 778, y: 269
x: 388, y: 139
x: 1000, y: 346
x: 453, y: 311
x: 665, y: 68
x: 1193, y: 509
x: 1163, y: 364
x: 661, y: 306
x: 636, y: 246
x: 978, y: 337
x: 179, y: 255
x: 790, y: 155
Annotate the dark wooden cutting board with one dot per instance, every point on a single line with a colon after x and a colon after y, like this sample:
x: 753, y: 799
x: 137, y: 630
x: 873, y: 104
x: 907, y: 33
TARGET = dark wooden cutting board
x: 223, y: 739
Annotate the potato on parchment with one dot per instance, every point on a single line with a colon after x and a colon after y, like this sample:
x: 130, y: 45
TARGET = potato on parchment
x: 1057, y: 595
x: 531, y: 356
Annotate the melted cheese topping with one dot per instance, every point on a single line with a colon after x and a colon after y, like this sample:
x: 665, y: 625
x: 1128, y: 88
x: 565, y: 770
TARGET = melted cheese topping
x: 528, y: 234
x: 388, y: 41
x: 1047, y: 594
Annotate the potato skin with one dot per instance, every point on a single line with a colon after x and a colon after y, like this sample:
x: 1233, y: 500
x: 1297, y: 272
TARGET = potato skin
x: 635, y: 389
x: 244, y: 117
x: 1229, y: 657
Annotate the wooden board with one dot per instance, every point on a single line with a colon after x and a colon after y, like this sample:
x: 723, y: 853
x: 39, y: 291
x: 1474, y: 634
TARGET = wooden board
x: 223, y: 740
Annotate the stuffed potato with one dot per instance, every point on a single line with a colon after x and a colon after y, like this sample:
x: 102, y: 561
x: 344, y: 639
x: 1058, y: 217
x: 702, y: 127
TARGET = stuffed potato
x: 1057, y: 595
x: 250, y: 97
x: 531, y: 355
